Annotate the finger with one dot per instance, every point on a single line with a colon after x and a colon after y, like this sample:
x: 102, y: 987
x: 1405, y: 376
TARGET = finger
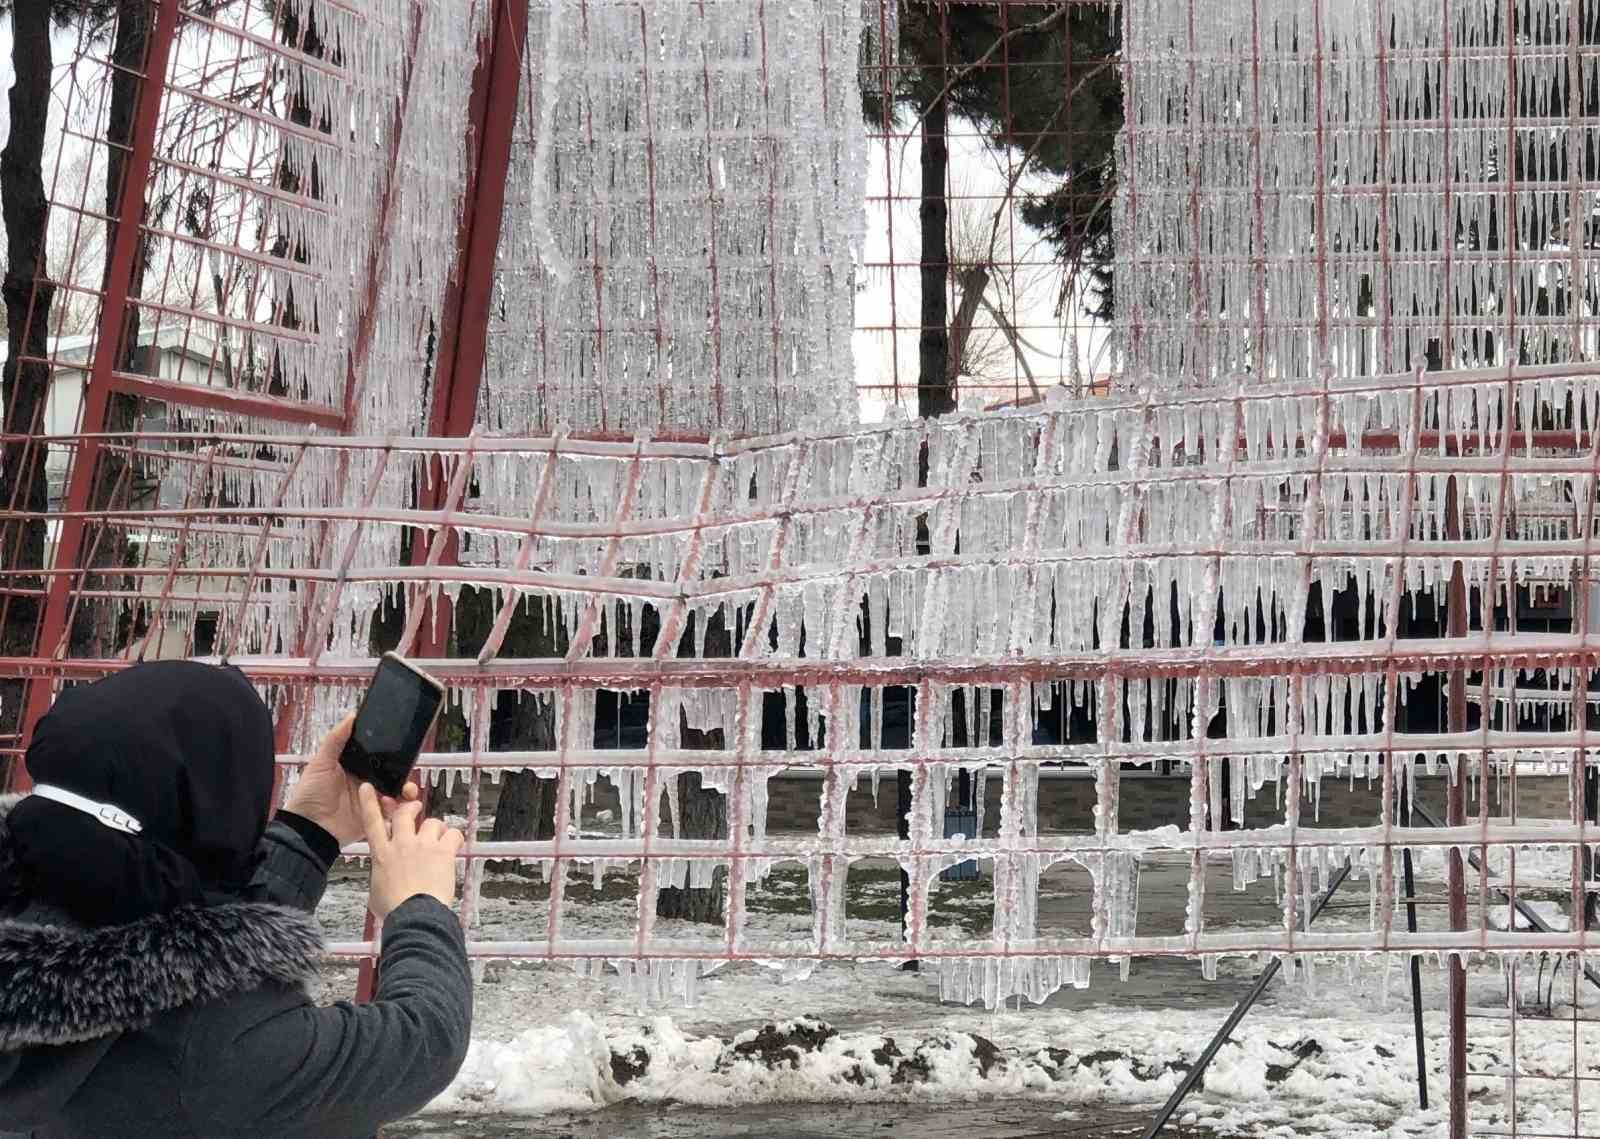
x: 351, y: 790
x: 403, y: 823
x: 431, y: 829
x: 391, y: 804
x: 372, y: 819
x: 412, y: 791
x: 454, y: 839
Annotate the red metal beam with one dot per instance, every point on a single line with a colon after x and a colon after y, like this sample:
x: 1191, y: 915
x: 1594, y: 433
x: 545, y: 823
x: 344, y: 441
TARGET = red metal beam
x: 463, y: 336
x: 114, y: 306
x: 248, y: 404
x: 1310, y: 658
x: 464, y: 320
x: 461, y: 346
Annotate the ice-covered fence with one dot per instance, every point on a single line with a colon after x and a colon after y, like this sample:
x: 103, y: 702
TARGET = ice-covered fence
x: 1267, y: 586
x: 1172, y: 564
x: 684, y: 217
x: 1356, y: 184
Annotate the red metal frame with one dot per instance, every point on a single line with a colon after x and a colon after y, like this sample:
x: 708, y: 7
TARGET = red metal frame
x: 108, y: 348
x: 462, y: 341
x: 451, y: 449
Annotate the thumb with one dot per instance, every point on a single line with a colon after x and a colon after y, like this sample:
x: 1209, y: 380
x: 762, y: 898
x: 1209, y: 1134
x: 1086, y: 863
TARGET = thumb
x: 333, y: 743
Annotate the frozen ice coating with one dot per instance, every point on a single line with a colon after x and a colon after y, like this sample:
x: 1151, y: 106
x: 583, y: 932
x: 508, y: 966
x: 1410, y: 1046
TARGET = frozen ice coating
x: 1313, y: 183
x: 685, y: 206
x: 1261, y: 564
x: 1115, y: 561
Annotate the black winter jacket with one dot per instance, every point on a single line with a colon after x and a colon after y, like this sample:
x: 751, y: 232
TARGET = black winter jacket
x: 196, y: 1024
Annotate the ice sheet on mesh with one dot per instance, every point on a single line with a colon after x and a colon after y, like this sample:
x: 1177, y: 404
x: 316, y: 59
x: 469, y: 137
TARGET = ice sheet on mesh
x: 1279, y: 203
x: 632, y: 165
x: 1221, y: 521
x: 1043, y: 525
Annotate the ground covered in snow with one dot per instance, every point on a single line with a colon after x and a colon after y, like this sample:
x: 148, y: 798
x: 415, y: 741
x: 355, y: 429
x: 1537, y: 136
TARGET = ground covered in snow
x: 1331, y: 1052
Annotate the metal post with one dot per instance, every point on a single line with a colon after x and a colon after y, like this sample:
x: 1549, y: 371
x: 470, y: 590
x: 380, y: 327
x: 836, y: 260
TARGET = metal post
x: 461, y: 347
x: 108, y: 348
x: 462, y: 344
x: 1456, y: 815
x: 1591, y: 814
x: 1411, y: 926
x: 902, y: 810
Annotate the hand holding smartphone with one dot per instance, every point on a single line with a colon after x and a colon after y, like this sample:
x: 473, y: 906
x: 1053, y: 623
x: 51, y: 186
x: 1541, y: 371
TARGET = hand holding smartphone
x: 396, y: 714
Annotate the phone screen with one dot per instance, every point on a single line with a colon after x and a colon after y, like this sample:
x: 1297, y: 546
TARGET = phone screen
x: 395, y: 716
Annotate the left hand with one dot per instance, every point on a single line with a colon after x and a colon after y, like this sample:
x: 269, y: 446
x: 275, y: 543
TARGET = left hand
x: 327, y: 794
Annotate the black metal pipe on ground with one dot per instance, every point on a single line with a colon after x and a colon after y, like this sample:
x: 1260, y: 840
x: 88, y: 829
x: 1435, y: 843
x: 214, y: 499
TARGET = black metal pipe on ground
x: 1416, y: 965
x: 1192, y: 1079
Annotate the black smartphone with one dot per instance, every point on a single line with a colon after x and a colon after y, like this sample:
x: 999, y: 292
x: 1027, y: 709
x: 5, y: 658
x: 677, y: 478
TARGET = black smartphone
x: 399, y: 708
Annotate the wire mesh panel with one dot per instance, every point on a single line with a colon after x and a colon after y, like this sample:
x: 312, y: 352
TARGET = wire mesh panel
x: 273, y: 231
x: 1357, y: 186
x: 1233, y: 531
x: 662, y: 570
x: 687, y: 199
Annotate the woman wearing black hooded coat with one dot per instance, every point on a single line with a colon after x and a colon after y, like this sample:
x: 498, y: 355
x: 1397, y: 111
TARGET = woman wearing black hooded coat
x: 157, y: 937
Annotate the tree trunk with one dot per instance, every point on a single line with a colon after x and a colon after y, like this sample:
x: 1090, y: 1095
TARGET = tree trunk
x: 701, y: 814
x: 935, y: 384
x: 526, y: 808
x: 970, y: 287
x: 28, y: 297
x: 936, y: 391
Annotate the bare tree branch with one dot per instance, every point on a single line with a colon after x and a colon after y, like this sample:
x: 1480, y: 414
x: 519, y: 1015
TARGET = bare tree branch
x: 1016, y: 339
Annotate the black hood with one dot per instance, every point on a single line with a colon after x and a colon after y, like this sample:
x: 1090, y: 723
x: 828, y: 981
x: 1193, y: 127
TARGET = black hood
x: 68, y: 991
x: 187, y: 750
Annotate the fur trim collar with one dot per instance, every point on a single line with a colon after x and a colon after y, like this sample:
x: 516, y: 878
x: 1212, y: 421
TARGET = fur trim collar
x: 61, y: 983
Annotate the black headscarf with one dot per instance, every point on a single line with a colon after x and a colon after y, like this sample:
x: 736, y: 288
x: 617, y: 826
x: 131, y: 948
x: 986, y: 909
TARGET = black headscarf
x: 185, y: 748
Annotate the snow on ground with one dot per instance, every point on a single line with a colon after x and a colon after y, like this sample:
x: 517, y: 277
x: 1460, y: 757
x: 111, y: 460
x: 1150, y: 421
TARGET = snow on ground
x: 1331, y: 1052
x: 897, y: 1044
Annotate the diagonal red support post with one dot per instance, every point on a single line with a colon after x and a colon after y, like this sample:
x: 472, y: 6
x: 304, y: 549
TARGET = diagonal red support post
x: 462, y: 343
x: 108, y: 350
x: 461, y: 346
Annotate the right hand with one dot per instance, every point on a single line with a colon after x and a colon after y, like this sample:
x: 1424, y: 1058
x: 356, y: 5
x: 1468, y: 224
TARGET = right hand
x: 407, y: 859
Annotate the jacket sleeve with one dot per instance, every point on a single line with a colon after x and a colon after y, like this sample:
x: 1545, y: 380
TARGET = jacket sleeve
x: 296, y: 857
x: 348, y: 1069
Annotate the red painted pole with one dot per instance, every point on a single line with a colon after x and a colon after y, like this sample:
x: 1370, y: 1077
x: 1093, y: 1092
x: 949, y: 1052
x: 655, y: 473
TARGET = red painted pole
x: 463, y: 340
x: 462, y: 343
x: 52, y: 636
x: 464, y: 323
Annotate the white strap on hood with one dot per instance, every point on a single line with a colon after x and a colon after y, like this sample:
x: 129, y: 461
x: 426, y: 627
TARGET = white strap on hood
x: 108, y: 814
